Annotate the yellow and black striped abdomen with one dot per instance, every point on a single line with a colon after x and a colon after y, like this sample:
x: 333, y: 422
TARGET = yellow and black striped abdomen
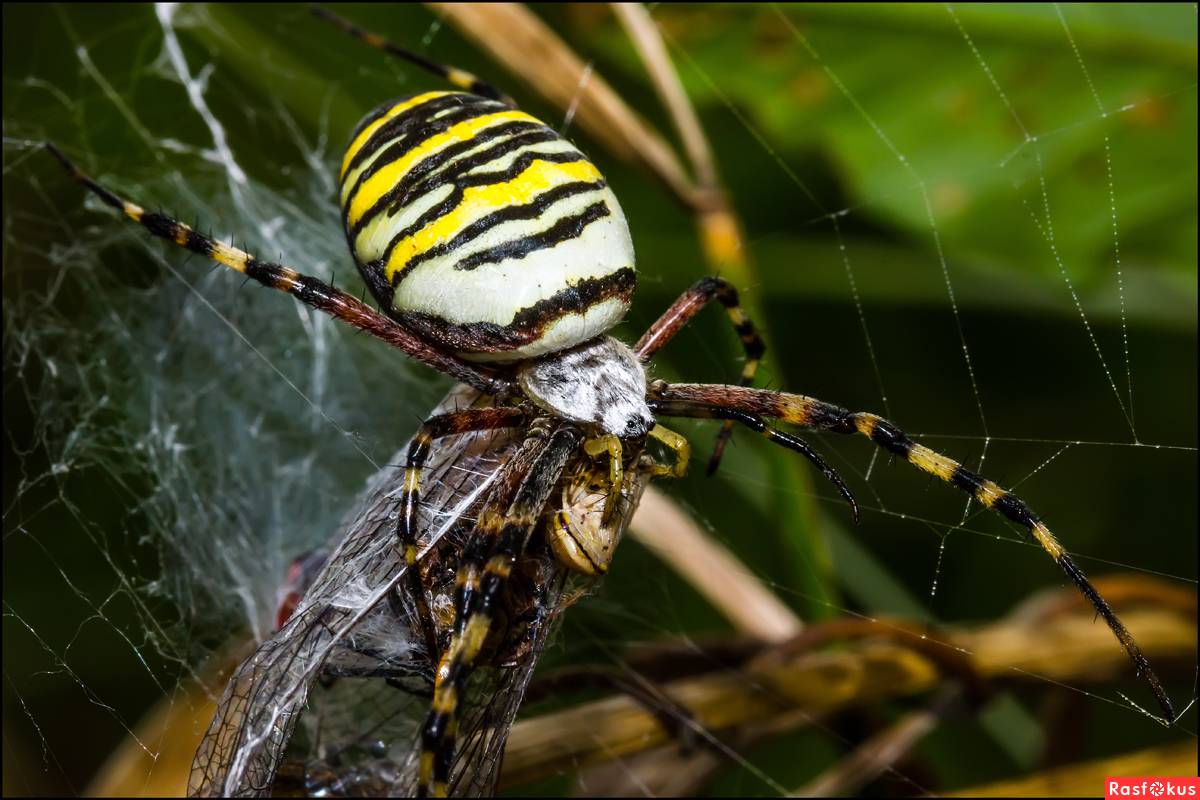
x: 482, y: 229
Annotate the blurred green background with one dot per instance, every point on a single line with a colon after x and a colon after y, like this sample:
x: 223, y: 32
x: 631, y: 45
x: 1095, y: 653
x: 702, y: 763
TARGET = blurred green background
x: 170, y: 447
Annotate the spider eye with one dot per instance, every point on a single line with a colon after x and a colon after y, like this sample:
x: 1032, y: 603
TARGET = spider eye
x: 637, y: 427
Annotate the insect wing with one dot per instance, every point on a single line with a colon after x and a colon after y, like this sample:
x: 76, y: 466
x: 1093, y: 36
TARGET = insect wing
x: 344, y: 625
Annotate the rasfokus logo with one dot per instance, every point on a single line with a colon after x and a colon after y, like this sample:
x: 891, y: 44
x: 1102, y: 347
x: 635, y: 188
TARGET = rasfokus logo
x: 1152, y: 787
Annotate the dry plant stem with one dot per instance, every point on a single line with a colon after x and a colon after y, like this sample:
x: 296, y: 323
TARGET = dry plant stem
x: 669, y: 771
x: 715, y: 572
x: 515, y: 37
x: 644, y: 34
x: 1087, y: 779
x: 1071, y: 650
x: 720, y: 228
x: 880, y: 752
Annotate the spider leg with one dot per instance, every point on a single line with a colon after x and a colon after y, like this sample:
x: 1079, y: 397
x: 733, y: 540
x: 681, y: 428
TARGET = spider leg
x: 812, y: 413
x: 681, y: 312
x: 505, y: 537
x: 310, y: 291
x: 756, y: 423
x: 678, y: 445
x: 442, y: 425
x: 616, y: 469
x: 459, y: 78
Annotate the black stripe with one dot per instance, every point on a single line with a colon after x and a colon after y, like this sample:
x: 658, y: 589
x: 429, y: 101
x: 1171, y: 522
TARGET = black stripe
x: 528, y: 324
x: 415, y: 183
x: 827, y: 416
x: 412, y: 127
x: 530, y: 210
x: 404, y: 192
x: 452, y: 200
x: 399, y: 143
x: 563, y: 230
x: 158, y: 224
x: 377, y: 113
x: 891, y: 438
x: 406, y: 132
x: 410, y: 118
x: 435, y: 727
x: 966, y: 480
x: 443, y: 759
x: 1015, y: 509
x: 408, y: 190
x: 410, y: 114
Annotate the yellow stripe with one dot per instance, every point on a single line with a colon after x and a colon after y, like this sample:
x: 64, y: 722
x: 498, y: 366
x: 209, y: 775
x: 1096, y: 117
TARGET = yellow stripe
x: 426, y: 767
x: 796, y: 409
x: 479, y: 201
x: 378, y: 184
x: 366, y: 132
x: 865, y: 423
x: 499, y: 565
x: 445, y: 700
x: 474, y: 637
x: 1046, y: 539
x: 989, y: 493
x: 927, y: 460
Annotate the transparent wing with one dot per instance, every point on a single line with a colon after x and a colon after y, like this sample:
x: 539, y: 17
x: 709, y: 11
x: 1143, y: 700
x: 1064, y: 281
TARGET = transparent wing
x: 332, y: 704
x: 344, y: 624
x: 361, y: 738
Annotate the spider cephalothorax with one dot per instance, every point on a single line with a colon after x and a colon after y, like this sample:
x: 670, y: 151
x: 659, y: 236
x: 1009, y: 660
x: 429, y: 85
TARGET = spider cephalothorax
x: 500, y: 257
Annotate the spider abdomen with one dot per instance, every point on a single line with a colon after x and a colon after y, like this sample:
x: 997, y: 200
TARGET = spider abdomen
x: 482, y: 229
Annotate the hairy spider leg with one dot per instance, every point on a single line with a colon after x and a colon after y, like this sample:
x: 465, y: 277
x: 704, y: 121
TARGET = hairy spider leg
x: 490, y: 518
x: 507, y: 537
x: 459, y: 78
x: 758, y: 424
x: 812, y: 413
x: 681, y: 312
x: 310, y: 291
x: 437, y: 427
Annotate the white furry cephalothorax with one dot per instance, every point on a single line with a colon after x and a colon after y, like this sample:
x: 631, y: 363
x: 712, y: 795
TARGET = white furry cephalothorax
x: 599, y: 383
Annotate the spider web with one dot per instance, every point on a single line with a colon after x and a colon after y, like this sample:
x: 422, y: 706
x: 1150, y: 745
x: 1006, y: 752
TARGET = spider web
x: 176, y: 439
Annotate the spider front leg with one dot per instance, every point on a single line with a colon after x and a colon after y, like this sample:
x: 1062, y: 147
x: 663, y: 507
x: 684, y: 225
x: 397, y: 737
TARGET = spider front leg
x: 756, y: 423
x: 677, y: 444
x: 434, y: 428
x: 504, y: 538
x: 310, y: 291
x: 610, y: 445
x: 681, y: 312
x: 694, y: 399
x: 459, y: 78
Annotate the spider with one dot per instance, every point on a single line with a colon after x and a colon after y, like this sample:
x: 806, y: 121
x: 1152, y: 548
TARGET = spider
x: 499, y: 256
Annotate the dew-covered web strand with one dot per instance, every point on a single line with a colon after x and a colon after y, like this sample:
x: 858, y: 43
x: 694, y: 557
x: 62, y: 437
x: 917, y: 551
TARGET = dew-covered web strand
x: 1124, y: 703
x: 1112, y: 207
x: 1044, y: 221
x: 826, y: 216
x: 715, y: 739
x: 922, y: 185
x: 923, y: 188
x: 833, y: 218
x: 161, y: 640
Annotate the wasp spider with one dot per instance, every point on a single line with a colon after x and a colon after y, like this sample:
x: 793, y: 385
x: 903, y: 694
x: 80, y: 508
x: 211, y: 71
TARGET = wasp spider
x: 499, y: 256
